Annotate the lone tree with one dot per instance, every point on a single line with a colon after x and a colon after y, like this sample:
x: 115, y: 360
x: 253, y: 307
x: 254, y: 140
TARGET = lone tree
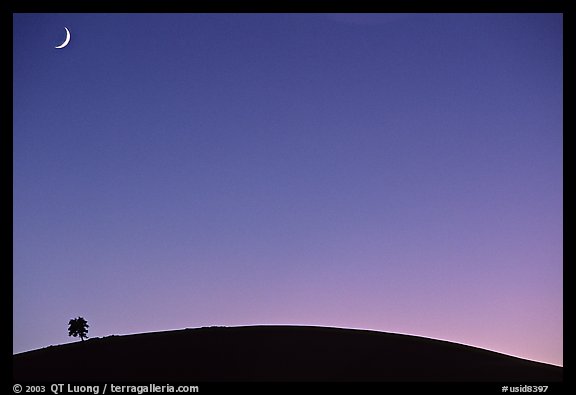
x: 78, y: 327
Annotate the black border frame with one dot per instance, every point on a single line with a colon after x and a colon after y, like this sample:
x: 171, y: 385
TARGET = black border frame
x: 287, y: 6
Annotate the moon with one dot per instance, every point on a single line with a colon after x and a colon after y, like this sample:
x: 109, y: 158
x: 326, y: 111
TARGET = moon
x: 65, y: 41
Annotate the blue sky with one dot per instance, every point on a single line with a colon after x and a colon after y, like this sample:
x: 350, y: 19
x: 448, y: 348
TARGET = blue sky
x: 400, y: 173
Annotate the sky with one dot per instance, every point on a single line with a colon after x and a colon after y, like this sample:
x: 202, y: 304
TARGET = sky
x: 399, y: 173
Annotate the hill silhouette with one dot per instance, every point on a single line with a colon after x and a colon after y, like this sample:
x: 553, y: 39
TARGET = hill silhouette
x: 273, y: 353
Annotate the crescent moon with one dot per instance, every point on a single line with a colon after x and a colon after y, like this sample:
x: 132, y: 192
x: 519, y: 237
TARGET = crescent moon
x: 65, y: 41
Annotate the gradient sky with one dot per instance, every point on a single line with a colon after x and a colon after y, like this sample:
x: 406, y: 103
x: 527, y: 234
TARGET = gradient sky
x: 400, y: 173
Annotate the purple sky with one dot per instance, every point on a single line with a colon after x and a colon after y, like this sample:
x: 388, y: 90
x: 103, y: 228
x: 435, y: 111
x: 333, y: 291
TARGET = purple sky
x: 400, y: 173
